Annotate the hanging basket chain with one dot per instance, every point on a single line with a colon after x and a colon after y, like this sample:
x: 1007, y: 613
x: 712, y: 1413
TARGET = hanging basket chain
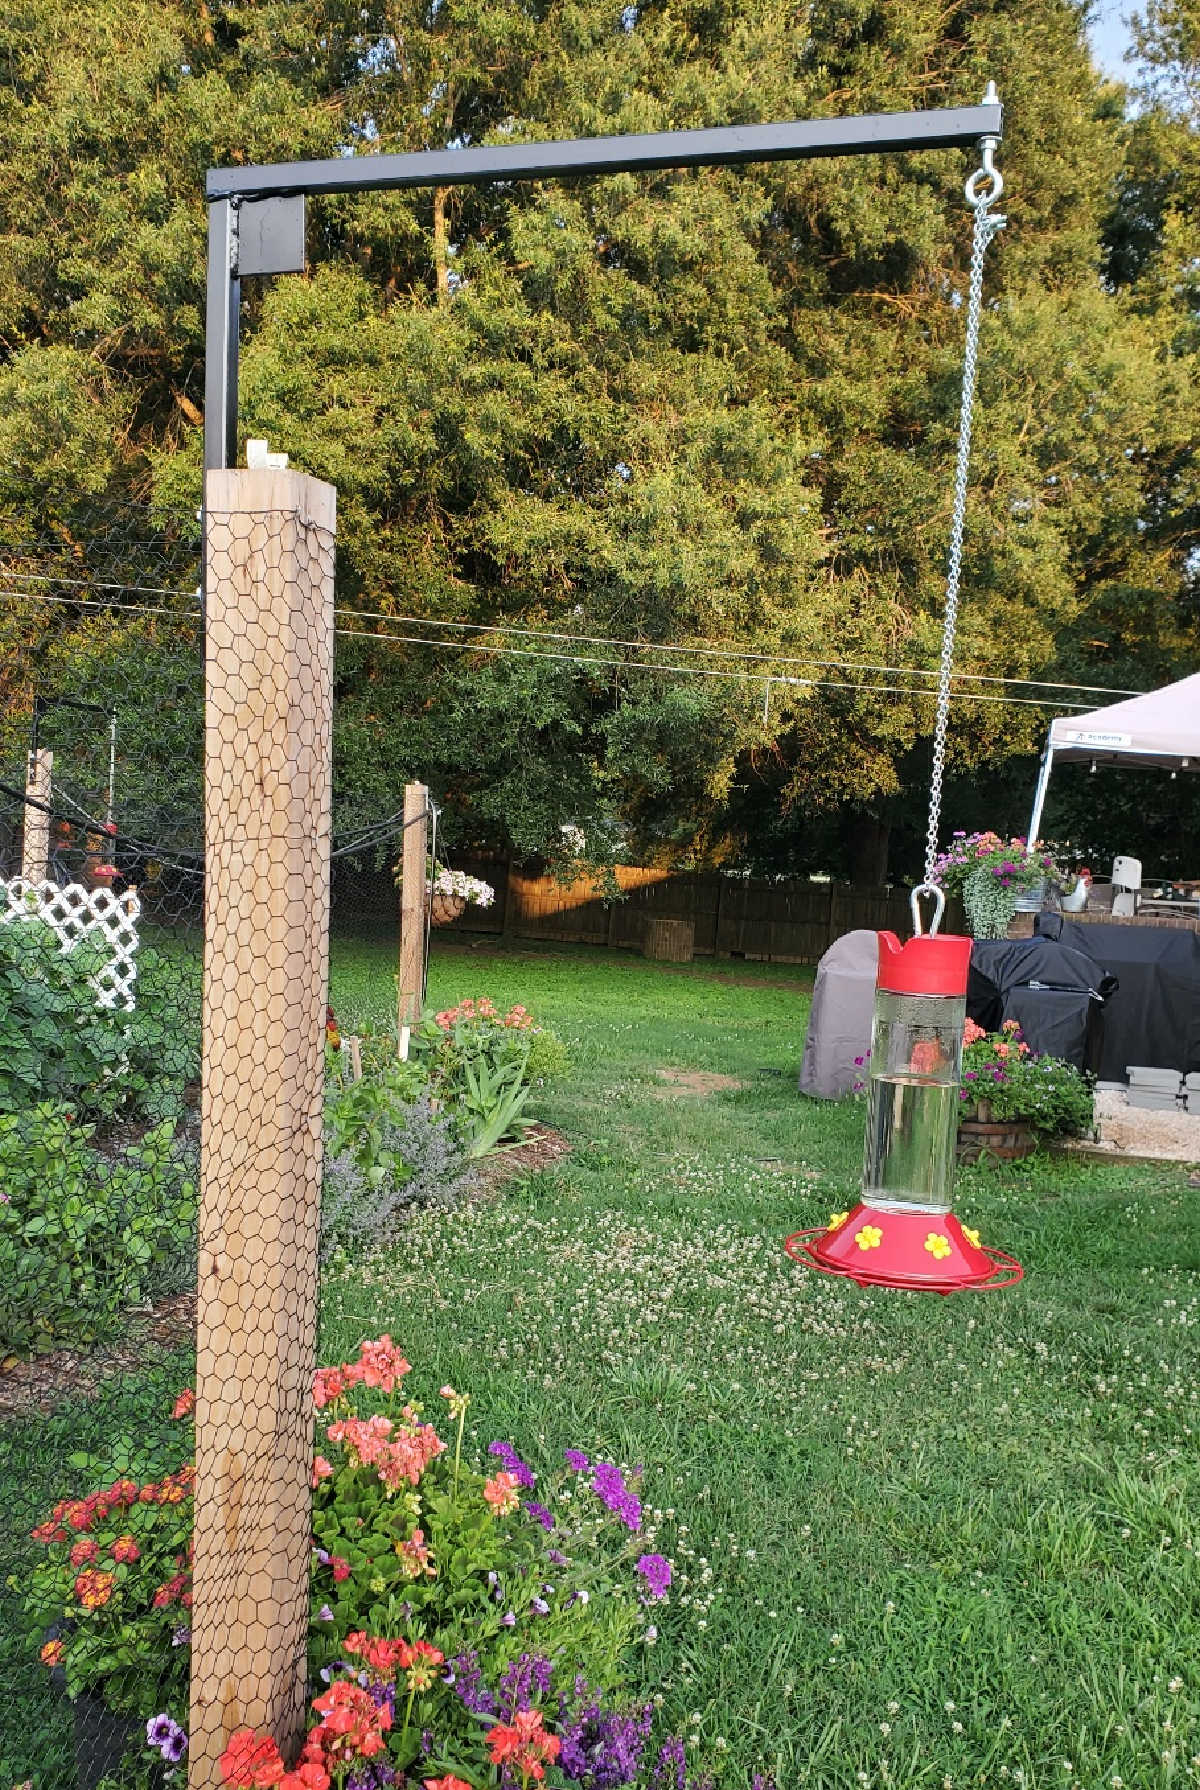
x: 983, y: 189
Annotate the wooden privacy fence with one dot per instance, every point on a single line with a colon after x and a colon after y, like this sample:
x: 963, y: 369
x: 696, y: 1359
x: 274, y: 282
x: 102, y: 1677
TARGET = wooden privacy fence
x: 792, y: 921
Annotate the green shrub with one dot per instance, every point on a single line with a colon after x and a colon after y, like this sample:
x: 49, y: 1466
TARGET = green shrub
x: 82, y: 1234
x: 55, y: 1043
x: 483, y: 1066
x: 549, y: 1059
x: 361, y: 1118
x: 163, y: 1037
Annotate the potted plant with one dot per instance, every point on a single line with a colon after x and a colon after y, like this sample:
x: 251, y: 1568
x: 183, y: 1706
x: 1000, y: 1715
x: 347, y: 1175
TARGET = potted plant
x: 990, y: 874
x: 449, y: 892
x: 1011, y: 1099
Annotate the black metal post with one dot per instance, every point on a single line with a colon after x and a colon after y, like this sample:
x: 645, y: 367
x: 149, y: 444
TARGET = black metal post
x: 221, y: 336
x: 954, y: 127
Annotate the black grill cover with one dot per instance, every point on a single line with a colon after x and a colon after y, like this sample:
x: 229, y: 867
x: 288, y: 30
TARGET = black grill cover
x: 1056, y: 992
x: 1155, y: 1018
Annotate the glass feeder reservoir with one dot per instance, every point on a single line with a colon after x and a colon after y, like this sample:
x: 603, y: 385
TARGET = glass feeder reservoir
x: 915, y: 1068
x: 903, y: 1233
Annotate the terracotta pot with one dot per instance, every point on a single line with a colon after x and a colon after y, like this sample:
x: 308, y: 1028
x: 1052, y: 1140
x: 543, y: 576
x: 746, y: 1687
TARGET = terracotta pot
x: 445, y: 909
x: 1009, y: 1139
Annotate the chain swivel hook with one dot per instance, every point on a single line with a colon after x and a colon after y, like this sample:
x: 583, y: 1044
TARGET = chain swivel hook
x: 977, y: 194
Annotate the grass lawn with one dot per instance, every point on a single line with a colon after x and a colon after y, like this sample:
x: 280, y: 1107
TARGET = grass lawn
x: 916, y: 1541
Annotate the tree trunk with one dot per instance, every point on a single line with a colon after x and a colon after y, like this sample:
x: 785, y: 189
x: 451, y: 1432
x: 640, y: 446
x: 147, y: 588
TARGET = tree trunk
x: 869, y: 851
x: 441, y: 251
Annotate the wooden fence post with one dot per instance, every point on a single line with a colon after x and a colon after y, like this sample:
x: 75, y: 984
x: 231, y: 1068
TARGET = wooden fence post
x: 413, y: 900
x: 268, y: 727
x: 35, y: 837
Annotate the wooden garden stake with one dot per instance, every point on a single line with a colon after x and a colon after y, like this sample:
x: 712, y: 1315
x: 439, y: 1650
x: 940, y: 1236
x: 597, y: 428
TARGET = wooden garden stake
x: 268, y: 725
x: 413, y: 900
x: 35, y: 838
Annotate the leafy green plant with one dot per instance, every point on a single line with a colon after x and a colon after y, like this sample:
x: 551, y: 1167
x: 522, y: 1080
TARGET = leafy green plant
x: 420, y: 1560
x: 82, y: 1234
x: 427, y: 1148
x: 163, y: 1034
x: 55, y: 1043
x: 491, y: 1102
x: 363, y: 1118
x: 483, y: 1065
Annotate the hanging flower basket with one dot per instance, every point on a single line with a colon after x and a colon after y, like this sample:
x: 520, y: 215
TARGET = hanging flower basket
x: 993, y: 876
x: 448, y: 892
x: 445, y: 909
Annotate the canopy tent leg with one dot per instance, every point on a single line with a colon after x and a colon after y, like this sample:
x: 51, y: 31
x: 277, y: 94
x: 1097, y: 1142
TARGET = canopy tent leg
x: 1039, y: 794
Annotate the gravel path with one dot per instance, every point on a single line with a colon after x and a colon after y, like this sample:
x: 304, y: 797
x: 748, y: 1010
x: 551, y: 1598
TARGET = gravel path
x: 1128, y: 1130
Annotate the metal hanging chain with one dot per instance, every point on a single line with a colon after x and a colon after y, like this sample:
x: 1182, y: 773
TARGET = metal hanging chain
x: 982, y: 189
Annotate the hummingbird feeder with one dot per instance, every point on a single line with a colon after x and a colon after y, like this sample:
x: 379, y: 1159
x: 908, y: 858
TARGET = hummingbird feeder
x: 902, y: 1233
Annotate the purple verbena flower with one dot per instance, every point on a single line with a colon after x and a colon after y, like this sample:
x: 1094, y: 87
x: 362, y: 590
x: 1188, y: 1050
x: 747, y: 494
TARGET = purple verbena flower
x: 670, y: 1768
x: 520, y: 1470
x: 540, y: 1514
x: 656, y: 1570
x: 613, y: 1493
x: 576, y: 1460
x: 466, y: 1677
x: 602, y: 1749
x: 522, y: 1682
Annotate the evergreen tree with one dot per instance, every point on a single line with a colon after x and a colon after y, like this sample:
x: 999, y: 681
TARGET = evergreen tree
x: 710, y: 407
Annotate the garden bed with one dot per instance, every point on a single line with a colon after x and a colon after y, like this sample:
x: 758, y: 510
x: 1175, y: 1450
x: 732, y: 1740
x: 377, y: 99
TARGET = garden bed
x: 880, y: 1505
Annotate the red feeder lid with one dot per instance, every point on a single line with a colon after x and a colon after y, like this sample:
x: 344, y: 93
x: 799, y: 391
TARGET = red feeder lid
x: 931, y: 964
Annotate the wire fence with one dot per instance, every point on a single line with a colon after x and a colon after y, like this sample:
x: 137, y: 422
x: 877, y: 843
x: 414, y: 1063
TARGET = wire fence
x: 186, y: 1586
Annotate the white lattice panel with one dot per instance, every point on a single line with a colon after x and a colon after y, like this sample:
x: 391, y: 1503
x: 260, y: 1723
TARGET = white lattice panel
x: 77, y: 913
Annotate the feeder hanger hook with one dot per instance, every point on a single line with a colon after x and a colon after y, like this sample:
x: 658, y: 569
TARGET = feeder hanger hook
x: 982, y: 190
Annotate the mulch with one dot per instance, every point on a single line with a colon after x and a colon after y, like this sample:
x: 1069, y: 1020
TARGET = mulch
x: 34, y: 1388
x: 543, y: 1146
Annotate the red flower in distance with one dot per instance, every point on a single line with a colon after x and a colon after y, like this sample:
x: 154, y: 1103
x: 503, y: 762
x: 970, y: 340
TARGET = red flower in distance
x: 523, y: 1743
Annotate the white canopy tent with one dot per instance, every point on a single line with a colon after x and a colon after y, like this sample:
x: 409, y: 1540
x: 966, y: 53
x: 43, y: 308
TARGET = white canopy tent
x: 1161, y: 728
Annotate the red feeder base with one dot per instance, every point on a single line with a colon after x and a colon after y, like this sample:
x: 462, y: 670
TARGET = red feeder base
x: 925, y: 1252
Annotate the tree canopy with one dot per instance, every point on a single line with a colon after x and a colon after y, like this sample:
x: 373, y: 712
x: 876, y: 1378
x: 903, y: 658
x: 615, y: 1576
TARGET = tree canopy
x: 713, y: 409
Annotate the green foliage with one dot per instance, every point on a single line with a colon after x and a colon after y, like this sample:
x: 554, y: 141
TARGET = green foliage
x: 55, y: 1043
x: 363, y: 1119
x: 491, y: 1099
x: 549, y: 1059
x: 163, y: 1037
x: 479, y: 1066
x: 85, y: 1234
x: 121, y: 1645
x: 682, y: 408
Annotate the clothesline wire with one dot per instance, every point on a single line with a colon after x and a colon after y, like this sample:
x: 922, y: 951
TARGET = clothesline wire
x: 720, y: 652
x: 182, y: 858
x: 742, y: 657
x: 744, y: 676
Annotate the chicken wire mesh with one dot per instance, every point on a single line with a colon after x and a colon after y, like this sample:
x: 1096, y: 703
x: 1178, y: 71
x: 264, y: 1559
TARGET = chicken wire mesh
x: 175, y: 1564
x: 155, y: 1591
